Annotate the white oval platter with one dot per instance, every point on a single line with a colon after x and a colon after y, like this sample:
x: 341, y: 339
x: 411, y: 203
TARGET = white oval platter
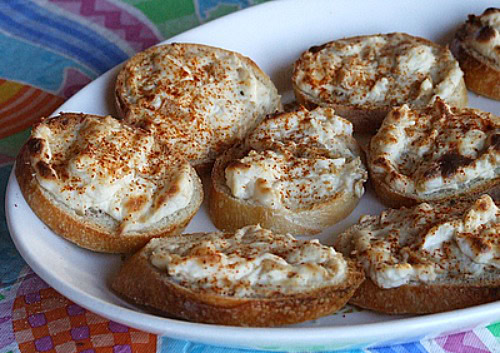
x: 273, y: 35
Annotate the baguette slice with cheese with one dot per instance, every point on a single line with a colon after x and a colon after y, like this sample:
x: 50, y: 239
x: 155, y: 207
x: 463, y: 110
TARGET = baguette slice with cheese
x: 104, y: 185
x: 477, y: 48
x: 435, y: 154
x: 427, y: 259
x: 363, y: 77
x: 297, y: 172
x: 198, y: 99
x: 252, y: 277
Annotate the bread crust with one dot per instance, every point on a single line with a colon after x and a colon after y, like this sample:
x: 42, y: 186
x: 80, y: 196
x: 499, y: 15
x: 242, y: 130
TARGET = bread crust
x: 481, y: 73
x: 230, y: 213
x: 422, y: 298
x: 144, y: 284
x: 390, y: 198
x: 201, y: 153
x: 479, y: 76
x: 367, y: 118
x: 385, y: 241
x: 81, y: 229
x: 393, y: 198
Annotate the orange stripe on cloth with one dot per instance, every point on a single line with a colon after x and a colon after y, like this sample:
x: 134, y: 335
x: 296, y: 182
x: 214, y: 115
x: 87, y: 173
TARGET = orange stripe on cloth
x: 10, y: 90
x: 16, y: 107
x: 23, y: 113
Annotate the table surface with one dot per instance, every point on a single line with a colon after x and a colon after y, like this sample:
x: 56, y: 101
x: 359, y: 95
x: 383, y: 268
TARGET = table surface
x: 40, y: 68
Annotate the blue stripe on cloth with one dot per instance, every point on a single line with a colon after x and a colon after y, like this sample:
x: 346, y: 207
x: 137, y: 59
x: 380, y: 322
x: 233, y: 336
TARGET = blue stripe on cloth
x: 171, y: 345
x: 11, y: 263
x: 205, y: 7
x: 414, y: 347
x: 25, y: 62
x: 27, y: 20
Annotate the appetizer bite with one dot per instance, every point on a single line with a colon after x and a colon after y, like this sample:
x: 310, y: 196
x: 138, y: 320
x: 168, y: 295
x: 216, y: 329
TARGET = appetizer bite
x: 104, y: 185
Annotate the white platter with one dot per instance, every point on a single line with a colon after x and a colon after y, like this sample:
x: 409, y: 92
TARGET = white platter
x: 273, y: 34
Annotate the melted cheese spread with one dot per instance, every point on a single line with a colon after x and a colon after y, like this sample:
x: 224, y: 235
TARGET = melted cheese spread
x: 436, y: 151
x: 427, y: 243
x: 196, y: 98
x: 298, y: 159
x: 482, y: 34
x: 378, y: 70
x: 253, y: 262
x: 93, y: 164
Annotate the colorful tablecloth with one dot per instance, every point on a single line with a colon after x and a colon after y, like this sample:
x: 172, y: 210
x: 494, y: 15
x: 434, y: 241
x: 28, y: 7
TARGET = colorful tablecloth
x: 49, y: 49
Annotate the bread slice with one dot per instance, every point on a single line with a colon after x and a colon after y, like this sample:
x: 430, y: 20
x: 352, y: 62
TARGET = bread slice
x: 434, y: 154
x: 195, y: 277
x: 198, y: 99
x: 298, y: 172
x: 103, y: 185
x: 427, y: 259
x: 423, y: 299
x: 475, y: 48
x: 363, y: 77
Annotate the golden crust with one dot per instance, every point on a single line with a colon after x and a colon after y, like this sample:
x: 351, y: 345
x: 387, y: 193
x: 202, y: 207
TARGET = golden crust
x: 144, y: 284
x: 482, y: 73
x: 479, y: 76
x: 422, y: 299
x: 84, y: 231
x: 229, y: 213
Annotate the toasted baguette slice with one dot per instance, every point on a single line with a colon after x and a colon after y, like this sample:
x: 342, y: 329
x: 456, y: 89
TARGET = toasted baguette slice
x: 427, y: 259
x: 363, y: 77
x: 298, y: 172
x: 187, y: 277
x: 423, y: 299
x: 103, y: 185
x: 434, y: 154
x: 198, y: 99
x: 475, y: 48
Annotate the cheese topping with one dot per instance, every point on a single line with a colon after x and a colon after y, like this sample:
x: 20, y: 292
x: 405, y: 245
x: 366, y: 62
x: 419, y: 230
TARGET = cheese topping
x: 298, y: 159
x: 427, y: 243
x: 482, y: 35
x: 436, y: 151
x: 196, y: 98
x: 253, y: 262
x: 378, y: 70
x: 99, y: 165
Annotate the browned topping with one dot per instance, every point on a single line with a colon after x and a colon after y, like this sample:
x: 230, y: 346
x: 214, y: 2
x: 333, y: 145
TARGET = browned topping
x: 440, y: 141
x: 495, y: 141
x: 134, y: 204
x: 477, y: 243
x: 486, y: 34
x: 491, y: 10
x: 482, y: 205
x: 163, y: 198
x: 45, y: 171
x: 236, y: 164
x: 450, y: 162
x: 316, y: 48
x: 35, y: 146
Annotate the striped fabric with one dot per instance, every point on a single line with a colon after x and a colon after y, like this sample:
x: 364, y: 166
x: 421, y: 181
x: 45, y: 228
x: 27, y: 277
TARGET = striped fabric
x: 50, y: 50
